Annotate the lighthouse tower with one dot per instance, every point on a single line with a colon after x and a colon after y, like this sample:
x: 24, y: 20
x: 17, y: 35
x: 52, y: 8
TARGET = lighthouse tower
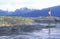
x: 49, y: 13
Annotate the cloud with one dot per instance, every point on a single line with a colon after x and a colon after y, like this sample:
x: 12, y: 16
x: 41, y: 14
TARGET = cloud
x: 35, y: 4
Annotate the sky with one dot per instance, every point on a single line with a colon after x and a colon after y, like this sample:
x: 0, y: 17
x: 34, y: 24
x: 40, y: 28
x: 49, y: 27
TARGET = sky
x: 12, y: 5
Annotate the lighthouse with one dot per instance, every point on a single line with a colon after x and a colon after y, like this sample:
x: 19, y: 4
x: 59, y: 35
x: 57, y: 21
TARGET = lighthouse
x: 49, y: 12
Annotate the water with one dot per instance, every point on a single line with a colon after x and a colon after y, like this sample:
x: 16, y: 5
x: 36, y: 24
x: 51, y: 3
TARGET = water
x: 37, y: 34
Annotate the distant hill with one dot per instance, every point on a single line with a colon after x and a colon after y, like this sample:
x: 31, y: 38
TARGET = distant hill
x: 56, y: 11
x: 25, y: 12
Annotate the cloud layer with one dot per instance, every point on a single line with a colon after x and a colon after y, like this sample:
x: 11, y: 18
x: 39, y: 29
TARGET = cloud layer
x: 11, y: 5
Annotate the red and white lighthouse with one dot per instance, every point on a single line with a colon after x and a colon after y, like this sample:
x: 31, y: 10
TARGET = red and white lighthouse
x: 49, y: 13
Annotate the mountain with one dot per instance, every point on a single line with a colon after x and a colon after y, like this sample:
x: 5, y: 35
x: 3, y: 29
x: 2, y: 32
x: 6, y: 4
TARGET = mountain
x: 2, y: 12
x: 21, y: 11
x: 25, y: 12
x: 36, y: 13
x: 56, y: 11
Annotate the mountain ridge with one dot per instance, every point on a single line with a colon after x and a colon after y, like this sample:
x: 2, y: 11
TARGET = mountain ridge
x: 26, y: 12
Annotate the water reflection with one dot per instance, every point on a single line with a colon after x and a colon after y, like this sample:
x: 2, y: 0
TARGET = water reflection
x: 37, y: 34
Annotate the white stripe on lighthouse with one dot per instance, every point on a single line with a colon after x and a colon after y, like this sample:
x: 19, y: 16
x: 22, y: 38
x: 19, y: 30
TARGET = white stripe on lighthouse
x: 49, y: 13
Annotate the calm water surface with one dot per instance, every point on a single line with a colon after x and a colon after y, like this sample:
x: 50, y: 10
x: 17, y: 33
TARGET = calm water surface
x: 38, y: 34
